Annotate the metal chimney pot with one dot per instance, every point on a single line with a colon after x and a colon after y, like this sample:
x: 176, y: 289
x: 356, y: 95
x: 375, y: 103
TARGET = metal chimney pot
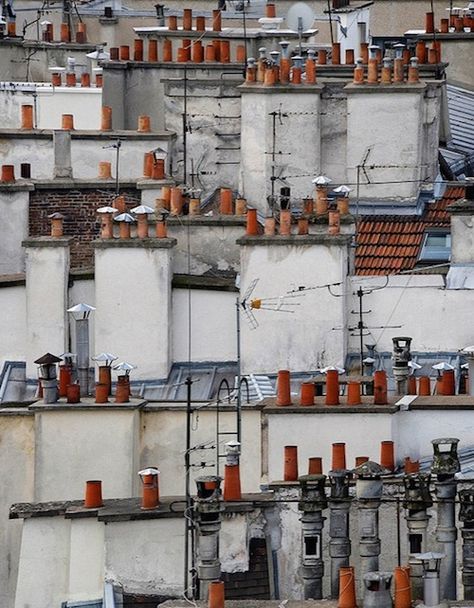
x: 339, y: 509
x: 369, y: 488
x: 466, y: 515
x: 400, y: 357
x: 431, y: 568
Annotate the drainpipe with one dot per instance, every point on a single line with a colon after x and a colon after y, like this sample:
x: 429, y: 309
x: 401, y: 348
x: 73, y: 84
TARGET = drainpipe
x: 369, y: 487
x: 445, y: 466
x: 208, y: 524
x: 417, y: 501
x: 313, y: 501
x: 466, y: 515
x: 81, y: 313
x: 339, y: 508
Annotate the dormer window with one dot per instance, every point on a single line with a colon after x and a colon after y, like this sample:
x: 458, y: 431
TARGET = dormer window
x: 436, y: 246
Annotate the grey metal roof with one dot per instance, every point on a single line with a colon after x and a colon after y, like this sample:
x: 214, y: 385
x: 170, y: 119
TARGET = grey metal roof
x: 461, y: 118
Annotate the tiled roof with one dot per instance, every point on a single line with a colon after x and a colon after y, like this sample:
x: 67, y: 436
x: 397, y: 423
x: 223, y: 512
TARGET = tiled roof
x: 389, y: 244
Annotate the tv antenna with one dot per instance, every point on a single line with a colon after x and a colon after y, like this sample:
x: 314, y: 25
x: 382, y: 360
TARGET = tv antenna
x: 299, y: 18
x: 116, y: 146
x: 277, y: 115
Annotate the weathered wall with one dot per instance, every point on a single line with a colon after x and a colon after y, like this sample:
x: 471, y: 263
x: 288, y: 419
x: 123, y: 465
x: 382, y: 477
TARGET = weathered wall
x: 133, y: 298
x: 163, y: 442
x: 213, y: 326
x: 297, y: 140
x: 49, y: 104
x: 14, y: 229
x: 13, y: 323
x: 72, y: 447
x: 304, y: 339
x: 423, y: 309
x: 17, y: 450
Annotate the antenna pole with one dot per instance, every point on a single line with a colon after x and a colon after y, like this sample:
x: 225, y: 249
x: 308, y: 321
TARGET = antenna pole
x: 360, y: 327
x: 117, y: 185
x: 185, y: 125
x: 274, y: 116
x: 330, y: 22
x: 187, y: 468
x: 239, y: 376
x: 245, y: 34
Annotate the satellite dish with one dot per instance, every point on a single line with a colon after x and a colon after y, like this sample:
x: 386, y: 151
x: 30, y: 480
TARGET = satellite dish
x: 300, y: 17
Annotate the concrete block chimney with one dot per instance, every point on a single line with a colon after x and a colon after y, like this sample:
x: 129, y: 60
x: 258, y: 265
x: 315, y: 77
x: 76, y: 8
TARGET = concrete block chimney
x: 461, y: 273
x: 62, y: 154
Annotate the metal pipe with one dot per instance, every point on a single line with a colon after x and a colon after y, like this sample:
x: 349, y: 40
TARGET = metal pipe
x: 339, y: 508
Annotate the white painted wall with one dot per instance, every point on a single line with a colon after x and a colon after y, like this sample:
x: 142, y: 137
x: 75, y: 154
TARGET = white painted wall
x: 398, y: 145
x: 47, y: 271
x: 73, y: 447
x: 298, y: 137
x: 305, y: 339
x: 163, y: 443
x: 213, y: 325
x: 86, y: 560
x: 351, y: 39
x: 13, y: 324
x: 133, y: 298
x: 438, y: 319
x: 50, y: 103
x: 14, y: 223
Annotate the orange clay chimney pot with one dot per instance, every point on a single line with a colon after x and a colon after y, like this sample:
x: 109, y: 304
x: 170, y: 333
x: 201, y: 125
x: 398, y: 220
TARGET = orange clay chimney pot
x: 449, y: 383
x: 303, y: 226
x: 307, y: 393
x: 240, y: 206
x: 161, y: 232
x: 380, y: 387
x: 210, y: 54
x: 359, y: 460
x: 291, y: 463
x: 119, y: 204
x: 338, y: 456
x: 65, y: 33
x: 167, y: 50
x: 283, y: 388
x: 27, y: 117
x: 176, y: 201
x: 270, y: 225
x: 285, y: 222
x: 225, y: 51
x: 70, y: 79
x: 322, y: 57
x: 105, y: 170
x: 232, y: 489
x: 187, y: 19
x: 350, y: 57
x: 93, y: 497
x: 67, y: 122
x: 194, y: 206
x: 353, y: 393
x: 336, y: 53
x: 101, y: 393
x: 315, y: 465
x: 148, y: 161
x: 173, y: 23
x: 8, y: 173
x: 216, y: 596
x: 138, y: 50
x: 153, y: 50
x: 216, y: 20
x: 144, y: 124
x: 150, y: 491
x: 334, y: 223
x: 225, y: 202
x: 200, y: 23
x: 252, y: 224
x: 56, y: 79
x: 85, y: 80
x: 411, y: 466
x: 158, y: 172
x: 364, y: 52
x: 387, y: 456
x: 347, y: 595
x: 124, y: 53
x: 332, y: 387
x: 310, y: 69
x: 402, y: 584
x: 142, y: 226
x: 424, y: 386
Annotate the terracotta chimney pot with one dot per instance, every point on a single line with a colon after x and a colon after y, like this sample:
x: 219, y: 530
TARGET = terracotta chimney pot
x: 153, y: 50
x: 387, y: 456
x: 8, y: 173
x: 200, y: 23
x: 334, y: 223
x: 364, y: 52
x: 125, y: 232
x: 57, y: 229
x: 411, y: 385
x: 198, y: 52
x: 322, y: 57
x: 347, y: 594
x: 124, y: 53
x: 310, y: 70
x: 105, y: 170
x: 99, y: 80
x: 56, y: 80
x: 106, y: 232
x: 27, y: 117
x: 225, y: 203
x: 176, y: 201
x: 338, y: 456
x: 101, y: 393
x: 240, y: 206
x: 411, y: 466
x: 307, y: 393
x: 216, y: 594
x: 413, y: 74
x: 402, y: 587
x: 232, y: 490
x: 353, y: 393
x: 158, y: 172
x: 70, y: 79
x: 350, y: 57
x: 270, y: 10
x: 85, y: 80
x: 359, y: 460
x: 315, y: 465
x: 252, y: 223
x: 372, y: 72
x: 67, y: 122
x: 398, y: 71
x: 424, y: 386
x: 216, y: 20
x: 210, y: 53
x: 173, y: 23
x: 285, y: 222
x: 332, y: 387
x: 138, y: 50
x: 65, y: 33
x: 225, y: 51
x: 106, y: 119
x: 81, y: 33
x: 120, y: 205
x: 303, y: 226
x: 270, y: 226
x: 166, y: 197
x: 380, y: 387
x: 429, y: 23
x: 283, y: 388
x: 291, y: 463
x: 11, y: 28
x: 150, y: 491
x: 161, y: 232
x: 240, y: 53
x: 342, y: 203
x: 444, y: 26
x: 421, y: 52
x: 73, y: 393
x: 93, y: 497
x: 269, y: 77
x: 194, y: 206
x: 296, y: 74
x: 144, y: 124
x: 187, y: 19
x: 142, y: 226
x: 449, y: 383
x: 167, y: 50
x: 336, y: 53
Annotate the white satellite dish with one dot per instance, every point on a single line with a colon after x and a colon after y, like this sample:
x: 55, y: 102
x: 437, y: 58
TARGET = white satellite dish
x: 300, y: 17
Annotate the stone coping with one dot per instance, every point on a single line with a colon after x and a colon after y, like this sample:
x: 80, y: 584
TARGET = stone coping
x: 258, y: 87
x: 258, y: 604
x: 128, y: 509
x: 180, y: 406
x: 443, y: 402
x: 207, y: 220
x: 57, y: 45
x: 296, y: 240
x: 208, y: 283
x: 87, y: 404
x: 66, y: 183
x: 48, y: 241
x: 395, y: 87
x: 149, y: 243
x: 367, y: 407
x: 87, y: 134
x: 12, y: 280
x: 463, y: 206
x: 153, y: 184
x: 17, y: 186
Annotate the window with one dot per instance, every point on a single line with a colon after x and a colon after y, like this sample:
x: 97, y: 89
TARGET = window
x: 436, y: 246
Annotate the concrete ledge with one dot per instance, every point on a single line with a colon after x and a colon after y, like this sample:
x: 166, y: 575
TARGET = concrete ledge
x: 87, y: 404
x: 67, y: 46
x: 153, y: 184
x: 18, y: 186
x: 48, y: 241
x: 280, y: 88
x: 296, y: 240
x: 12, y: 280
x: 443, y: 402
x: 86, y: 134
x: 257, y: 604
x: 367, y: 407
x: 180, y: 406
x: 461, y: 207
x: 150, y: 243
x: 207, y: 283
x: 83, y: 184
x: 207, y: 220
x: 402, y: 87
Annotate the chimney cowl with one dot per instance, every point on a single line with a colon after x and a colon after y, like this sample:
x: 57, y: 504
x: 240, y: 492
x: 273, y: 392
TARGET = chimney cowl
x: 124, y: 217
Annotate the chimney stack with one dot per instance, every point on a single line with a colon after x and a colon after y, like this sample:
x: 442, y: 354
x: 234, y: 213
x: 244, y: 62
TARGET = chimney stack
x: 232, y: 489
x: 151, y: 492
